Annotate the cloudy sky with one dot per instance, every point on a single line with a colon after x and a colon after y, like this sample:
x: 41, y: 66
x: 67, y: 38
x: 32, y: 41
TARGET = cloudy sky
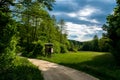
x: 83, y: 18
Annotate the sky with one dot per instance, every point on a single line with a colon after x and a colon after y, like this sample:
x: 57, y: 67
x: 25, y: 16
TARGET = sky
x: 83, y: 18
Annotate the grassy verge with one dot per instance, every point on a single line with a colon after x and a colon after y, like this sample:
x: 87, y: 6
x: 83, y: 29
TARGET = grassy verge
x: 21, y: 69
x: 99, y: 64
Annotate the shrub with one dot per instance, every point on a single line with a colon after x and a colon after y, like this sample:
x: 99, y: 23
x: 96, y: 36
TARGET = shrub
x: 21, y: 69
x: 63, y: 48
x: 38, y: 49
x: 34, y: 49
x: 56, y: 47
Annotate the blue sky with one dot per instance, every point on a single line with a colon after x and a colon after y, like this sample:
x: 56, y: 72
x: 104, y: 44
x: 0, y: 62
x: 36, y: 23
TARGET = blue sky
x: 83, y: 18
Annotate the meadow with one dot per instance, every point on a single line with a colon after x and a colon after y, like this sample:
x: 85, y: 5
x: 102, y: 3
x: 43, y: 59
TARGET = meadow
x: 99, y: 64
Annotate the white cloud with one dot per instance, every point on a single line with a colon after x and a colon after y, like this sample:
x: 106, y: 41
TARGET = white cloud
x: 72, y: 14
x: 87, y: 11
x: 80, y: 31
x: 82, y: 14
x: 89, y: 20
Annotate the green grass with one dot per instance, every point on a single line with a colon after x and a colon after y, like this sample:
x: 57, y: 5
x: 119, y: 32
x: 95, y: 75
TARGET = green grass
x: 99, y: 64
x: 21, y: 69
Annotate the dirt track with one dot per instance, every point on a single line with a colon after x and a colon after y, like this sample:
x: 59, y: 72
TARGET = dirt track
x: 52, y: 71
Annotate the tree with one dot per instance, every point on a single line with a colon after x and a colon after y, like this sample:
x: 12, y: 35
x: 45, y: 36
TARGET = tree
x: 74, y: 45
x: 104, y: 44
x: 33, y: 17
x: 8, y: 39
x: 63, y: 36
x: 94, y: 45
x: 37, y: 25
x: 86, y: 46
x: 45, y: 3
x: 4, y: 5
x: 113, y: 31
x: 63, y: 31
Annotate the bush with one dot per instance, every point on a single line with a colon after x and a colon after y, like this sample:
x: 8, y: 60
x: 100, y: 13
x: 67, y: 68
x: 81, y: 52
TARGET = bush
x: 21, y: 69
x: 56, y: 47
x: 27, y: 49
x: 63, y: 49
x: 38, y: 49
x: 34, y: 49
x: 18, y: 49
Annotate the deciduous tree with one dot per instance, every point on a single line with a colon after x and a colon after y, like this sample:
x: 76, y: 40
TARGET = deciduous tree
x: 113, y: 31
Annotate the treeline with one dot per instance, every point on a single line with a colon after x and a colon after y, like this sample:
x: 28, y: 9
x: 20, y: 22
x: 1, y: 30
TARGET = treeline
x: 96, y: 44
x: 36, y: 27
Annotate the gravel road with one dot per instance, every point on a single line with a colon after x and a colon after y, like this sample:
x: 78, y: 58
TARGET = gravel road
x: 52, y: 71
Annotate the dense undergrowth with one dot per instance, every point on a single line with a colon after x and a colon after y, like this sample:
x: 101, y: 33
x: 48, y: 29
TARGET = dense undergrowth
x: 21, y: 69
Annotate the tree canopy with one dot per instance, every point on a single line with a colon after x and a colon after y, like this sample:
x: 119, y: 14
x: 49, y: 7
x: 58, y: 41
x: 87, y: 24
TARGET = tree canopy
x: 113, y: 31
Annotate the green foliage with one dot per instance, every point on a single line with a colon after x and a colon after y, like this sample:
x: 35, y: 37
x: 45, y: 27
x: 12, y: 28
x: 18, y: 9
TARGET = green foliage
x: 86, y: 46
x: 34, y: 24
x: 4, y: 5
x: 56, y: 47
x: 113, y: 31
x: 48, y: 3
x: 27, y: 19
x: 8, y: 40
x: 95, y: 46
x: 91, y: 45
x: 21, y: 69
x: 104, y: 44
x: 37, y: 25
x: 45, y: 3
x: 8, y: 31
x: 99, y: 64
x: 74, y: 45
x: 38, y: 48
x: 35, y: 49
x: 63, y: 48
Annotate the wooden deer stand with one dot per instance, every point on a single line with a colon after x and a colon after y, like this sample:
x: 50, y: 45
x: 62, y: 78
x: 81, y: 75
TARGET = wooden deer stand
x: 48, y: 49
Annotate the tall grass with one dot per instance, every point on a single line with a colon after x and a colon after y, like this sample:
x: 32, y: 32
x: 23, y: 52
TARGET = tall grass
x: 21, y: 69
x: 99, y: 64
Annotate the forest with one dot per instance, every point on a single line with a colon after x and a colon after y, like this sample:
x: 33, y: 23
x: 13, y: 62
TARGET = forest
x: 99, y: 45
